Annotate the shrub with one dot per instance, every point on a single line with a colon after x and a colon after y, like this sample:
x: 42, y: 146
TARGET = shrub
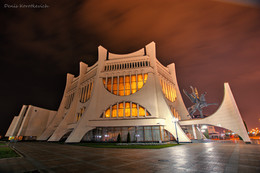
x: 119, y: 138
x: 128, y: 138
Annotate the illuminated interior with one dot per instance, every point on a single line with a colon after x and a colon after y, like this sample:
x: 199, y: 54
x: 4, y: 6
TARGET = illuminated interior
x: 125, y: 109
x: 175, y: 113
x: 168, y: 90
x: 125, y: 85
x: 137, y: 134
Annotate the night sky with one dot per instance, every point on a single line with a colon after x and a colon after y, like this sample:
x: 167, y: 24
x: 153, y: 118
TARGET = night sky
x: 211, y: 42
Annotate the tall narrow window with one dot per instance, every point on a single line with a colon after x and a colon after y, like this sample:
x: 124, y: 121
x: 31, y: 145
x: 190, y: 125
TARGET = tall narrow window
x: 168, y: 90
x: 121, y: 109
x: 121, y: 85
x: 127, y: 109
x: 140, y: 81
x: 86, y: 93
x: 114, y: 111
x: 89, y: 90
x: 133, y: 83
x: 115, y: 85
x: 127, y: 85
x: 134, y: 110
x: 79, y: 115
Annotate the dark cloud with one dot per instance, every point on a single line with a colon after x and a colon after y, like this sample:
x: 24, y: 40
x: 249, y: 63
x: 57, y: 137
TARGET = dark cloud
x: 210, y: 42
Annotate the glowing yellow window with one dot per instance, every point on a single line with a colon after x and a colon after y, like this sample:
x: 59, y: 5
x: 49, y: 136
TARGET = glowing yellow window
x: 115, y: 85
x: 90, y: 89
x: 162, y: 83
x: 107, y: 113
x: 77, y: 117
x: 133, y: 83
x: 140, y: 81
x: 114, y: 111
x: 140, y: 77
x: 134, y: 110
x: 141, y: 111
x: 140, y: 85
x: 120, y: 109
x: 172, y: 94
x: 121, y: 86
x: 170, y: 88
x: 166, y: 90
x: 175, y: 94
x: 87, y: 92
x: 109, y: 84
x: 127, y: 109
x: 145, y: 77
x: 127, y: 85
x: 127, y: 79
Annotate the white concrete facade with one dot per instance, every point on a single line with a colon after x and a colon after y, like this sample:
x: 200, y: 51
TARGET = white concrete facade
x: 131, y: 91
x: 31, y: 122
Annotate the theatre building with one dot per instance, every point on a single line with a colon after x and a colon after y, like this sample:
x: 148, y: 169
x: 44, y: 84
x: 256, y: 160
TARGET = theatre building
x: 123, y: 94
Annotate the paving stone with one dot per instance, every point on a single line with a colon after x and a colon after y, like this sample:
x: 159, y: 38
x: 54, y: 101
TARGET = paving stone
x: 204, y: 157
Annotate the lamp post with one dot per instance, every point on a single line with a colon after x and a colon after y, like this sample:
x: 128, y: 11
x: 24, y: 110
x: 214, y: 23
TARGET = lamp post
x: 175, y: 120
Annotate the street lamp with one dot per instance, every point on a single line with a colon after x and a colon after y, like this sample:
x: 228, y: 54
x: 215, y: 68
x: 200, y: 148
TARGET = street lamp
x: 175, y: 120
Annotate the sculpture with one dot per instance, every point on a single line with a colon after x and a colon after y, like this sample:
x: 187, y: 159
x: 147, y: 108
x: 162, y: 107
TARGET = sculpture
x: 199, y: 102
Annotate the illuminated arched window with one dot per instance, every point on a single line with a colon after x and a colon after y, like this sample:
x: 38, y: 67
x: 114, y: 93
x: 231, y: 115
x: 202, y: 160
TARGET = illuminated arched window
x: 125, y: 109
x: 125, y: 85
x: 169, y: 90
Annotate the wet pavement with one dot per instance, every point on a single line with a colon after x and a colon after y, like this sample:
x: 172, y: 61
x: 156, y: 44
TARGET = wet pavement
x: 198, y: 157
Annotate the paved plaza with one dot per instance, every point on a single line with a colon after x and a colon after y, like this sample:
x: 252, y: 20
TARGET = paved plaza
x: 199, y: 157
